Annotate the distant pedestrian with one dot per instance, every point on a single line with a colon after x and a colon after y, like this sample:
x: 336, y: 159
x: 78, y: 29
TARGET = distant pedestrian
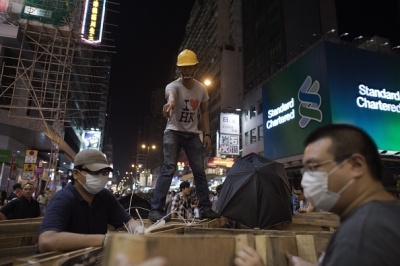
x: 3, y: 198
x: 182, y: 204
x: 215, y: 201
x: 43, y: 200
x: 16, y: 192
x: 21, y: 207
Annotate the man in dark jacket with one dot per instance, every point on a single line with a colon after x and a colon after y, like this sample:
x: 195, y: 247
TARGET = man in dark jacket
x: 21, y: 207
x: 16, y: 191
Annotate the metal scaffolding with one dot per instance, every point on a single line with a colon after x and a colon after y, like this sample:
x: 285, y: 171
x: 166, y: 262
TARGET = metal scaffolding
x: 49, y: 79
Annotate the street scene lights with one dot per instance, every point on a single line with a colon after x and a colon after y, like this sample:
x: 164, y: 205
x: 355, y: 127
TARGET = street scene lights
x: 144, y: 146
x: 330, y: 31
x: 147, y: 170
x: 358, y: 38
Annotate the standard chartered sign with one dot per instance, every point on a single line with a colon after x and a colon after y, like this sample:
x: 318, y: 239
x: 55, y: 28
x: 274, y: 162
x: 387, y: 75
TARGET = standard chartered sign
x: 278, y: 116
x: 375, y: 99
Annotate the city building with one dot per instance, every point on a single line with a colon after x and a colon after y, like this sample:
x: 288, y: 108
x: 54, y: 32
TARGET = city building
x: 214, y: 33
x: 55, y: 68
x: 277, y: 33
x: 246, y: 45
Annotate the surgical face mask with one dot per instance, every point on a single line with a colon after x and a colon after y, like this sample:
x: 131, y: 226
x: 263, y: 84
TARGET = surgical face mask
x: 94, y: 183
x: 187, y: 76
x: 315, y: 186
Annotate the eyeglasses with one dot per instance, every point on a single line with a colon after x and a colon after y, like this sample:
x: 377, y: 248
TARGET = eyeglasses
x: 103, y: 172
x: 312, y: 167
x: 297, y: 193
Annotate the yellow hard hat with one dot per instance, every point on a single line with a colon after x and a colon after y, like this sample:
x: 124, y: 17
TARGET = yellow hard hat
x: 187, y: 58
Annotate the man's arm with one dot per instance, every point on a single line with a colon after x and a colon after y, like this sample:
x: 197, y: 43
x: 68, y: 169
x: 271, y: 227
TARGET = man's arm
x: 65, y: 241
x: 205, y: 122
x: 7, y: 209
x: 169, y: 107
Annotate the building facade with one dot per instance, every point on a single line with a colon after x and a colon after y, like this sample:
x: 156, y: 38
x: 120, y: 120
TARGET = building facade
x: 261, y: 39
x: 54, y: 91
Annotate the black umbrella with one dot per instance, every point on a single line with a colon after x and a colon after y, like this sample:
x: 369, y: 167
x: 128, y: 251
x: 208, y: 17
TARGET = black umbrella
x: 256, y: 193
x: 131, y: 202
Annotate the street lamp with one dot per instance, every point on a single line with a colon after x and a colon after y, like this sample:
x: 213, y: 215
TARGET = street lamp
x: 144, y: 146
x: 330, y: 31
x: 358, y: 38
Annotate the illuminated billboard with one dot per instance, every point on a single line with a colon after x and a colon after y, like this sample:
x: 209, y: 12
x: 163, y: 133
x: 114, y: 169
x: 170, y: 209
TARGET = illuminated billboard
x: 93, y: 21
x: 92, y: 139
x: 229, y: 143
x: 333, y: 83
x: 50, y: 12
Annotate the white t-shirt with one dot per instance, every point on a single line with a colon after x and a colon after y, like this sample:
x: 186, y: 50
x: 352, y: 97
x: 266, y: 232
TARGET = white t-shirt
x: 186, y: 114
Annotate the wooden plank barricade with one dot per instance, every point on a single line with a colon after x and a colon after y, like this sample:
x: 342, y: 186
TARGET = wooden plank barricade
x: 85, y: 256
x: 18, y: 238
x: 202, y: 243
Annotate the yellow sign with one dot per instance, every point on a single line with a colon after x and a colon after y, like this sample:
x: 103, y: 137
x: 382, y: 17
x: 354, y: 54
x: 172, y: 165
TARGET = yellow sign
x: 31, y: 156
x: 31, y: 153
x: 29, y: 167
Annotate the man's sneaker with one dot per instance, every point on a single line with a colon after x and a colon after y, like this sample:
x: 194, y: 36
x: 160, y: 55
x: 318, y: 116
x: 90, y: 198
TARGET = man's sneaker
x: 156, y: 215
x: 210, y: 214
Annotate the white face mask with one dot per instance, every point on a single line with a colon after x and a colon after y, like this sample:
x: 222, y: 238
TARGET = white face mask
x: 94, y: 183
x: 187, y: 76
x: 315, y: 186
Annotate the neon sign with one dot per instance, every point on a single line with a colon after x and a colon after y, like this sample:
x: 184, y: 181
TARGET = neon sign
x: 281, y: 118
x: 93, y: 21
x: 364, y: 102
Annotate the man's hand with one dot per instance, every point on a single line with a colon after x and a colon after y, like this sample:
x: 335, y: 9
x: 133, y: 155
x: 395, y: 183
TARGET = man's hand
x: 134, y: 226
x: 207, y: 143
x: 297, y: 261
x: 168, y: 109
x: 248, y: 257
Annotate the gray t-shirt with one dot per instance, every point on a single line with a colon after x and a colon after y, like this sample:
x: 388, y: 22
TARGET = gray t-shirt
x: 368, y: 236
x: 186, y: 114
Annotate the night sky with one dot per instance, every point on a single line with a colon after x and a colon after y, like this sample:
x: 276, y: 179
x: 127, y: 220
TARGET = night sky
x: 147, y: 40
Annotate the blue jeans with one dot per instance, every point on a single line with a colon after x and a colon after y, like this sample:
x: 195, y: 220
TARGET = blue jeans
x: 193, y: 147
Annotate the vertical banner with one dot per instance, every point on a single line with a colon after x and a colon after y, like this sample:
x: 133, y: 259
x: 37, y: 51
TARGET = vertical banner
x: 29, y: 165
x: 230, y: 134
x: 93, y: 20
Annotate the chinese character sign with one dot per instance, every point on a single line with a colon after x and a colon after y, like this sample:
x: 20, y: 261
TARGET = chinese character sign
x: 229, y: 124
x: 229, y: 144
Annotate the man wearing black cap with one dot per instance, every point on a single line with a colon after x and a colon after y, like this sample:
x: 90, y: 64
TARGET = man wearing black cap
x: 78, y: 215
x: 16, y: 191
